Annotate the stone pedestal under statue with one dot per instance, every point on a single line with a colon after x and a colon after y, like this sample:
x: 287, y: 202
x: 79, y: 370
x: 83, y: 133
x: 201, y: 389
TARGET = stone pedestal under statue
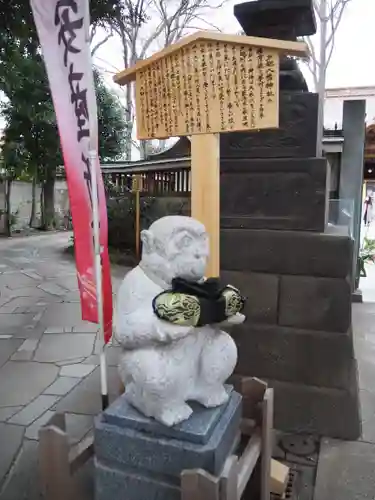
x: 138, y: 458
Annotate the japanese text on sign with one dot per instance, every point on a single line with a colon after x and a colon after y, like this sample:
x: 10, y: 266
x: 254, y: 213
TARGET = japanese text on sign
x: 208, y: 87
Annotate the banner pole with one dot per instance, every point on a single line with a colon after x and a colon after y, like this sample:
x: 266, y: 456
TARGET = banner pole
x: 94, y: 162
x: 98, y: 277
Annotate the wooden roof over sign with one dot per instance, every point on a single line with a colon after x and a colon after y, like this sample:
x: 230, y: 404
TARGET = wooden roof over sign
x: 292, y: 48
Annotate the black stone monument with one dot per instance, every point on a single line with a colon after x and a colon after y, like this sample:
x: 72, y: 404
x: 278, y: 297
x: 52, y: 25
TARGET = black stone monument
x: 275, y: 248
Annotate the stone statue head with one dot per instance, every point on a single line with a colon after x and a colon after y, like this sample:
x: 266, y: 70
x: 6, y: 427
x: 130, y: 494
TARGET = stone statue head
x: 175, y: 246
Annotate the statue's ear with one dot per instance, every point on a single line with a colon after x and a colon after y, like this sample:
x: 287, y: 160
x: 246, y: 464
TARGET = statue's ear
x: 147, y: 239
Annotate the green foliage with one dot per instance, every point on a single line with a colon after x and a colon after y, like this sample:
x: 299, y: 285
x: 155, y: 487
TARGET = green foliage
x: 121, y: 220
x: 366, y: 255
x: 111, y: 121
x: 121, y: 216
x: 16, y: 20
x: 12, y: 158
x: 28, y: 110
x: 31, y: 133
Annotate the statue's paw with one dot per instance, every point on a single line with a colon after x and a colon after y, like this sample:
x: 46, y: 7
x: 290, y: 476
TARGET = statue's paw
x: 174, y: 414
x: 237, y: 319
x: 213, y: 397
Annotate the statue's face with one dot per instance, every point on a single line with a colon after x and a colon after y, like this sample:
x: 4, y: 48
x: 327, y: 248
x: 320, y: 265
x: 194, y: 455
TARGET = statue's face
x: 187, y: 253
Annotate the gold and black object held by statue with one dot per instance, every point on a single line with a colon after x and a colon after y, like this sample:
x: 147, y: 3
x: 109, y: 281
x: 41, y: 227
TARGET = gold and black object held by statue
x: 198, y: 304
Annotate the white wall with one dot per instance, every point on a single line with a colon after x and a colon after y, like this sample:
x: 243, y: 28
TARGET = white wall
x: 334, y: 106
x: 21, y: 202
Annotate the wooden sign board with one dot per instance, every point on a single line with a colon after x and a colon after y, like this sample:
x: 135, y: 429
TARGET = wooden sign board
x: 209, y: 83
x: 208, y: 87
x: 137, y: 183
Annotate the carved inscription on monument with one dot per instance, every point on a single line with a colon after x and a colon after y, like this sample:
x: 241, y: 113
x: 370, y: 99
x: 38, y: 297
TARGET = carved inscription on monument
x: 208, y: 87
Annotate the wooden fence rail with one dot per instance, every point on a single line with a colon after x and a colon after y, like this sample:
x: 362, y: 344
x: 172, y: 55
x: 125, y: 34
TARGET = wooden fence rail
x: 171, y: 182
x: 58, y: 461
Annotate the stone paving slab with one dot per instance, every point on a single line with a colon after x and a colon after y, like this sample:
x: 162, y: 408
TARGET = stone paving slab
x: 65, y: 314
x: 23, y: 483
x: 10, y: 438
x: 21, y: 382
x: 62, y: 386
x: 345, y: 471
x: 56, y: 347
x: 13, y: 303
x: 8, y: 346
x: 16, y: 281
x: 26, y: 350
x: 76, y: 370
x: 29, y: 332
x: 32, y: 431
x: 72, y: 361
x: 9, y: 322
x: 8, y: 412
x: 85, y: 397
x: 34, y: 410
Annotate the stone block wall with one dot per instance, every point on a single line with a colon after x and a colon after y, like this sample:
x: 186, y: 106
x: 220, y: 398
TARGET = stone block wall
x: 288, y: 194
x: 298, y: 332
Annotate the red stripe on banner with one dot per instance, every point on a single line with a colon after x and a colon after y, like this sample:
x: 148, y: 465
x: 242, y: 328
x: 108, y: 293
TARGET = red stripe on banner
x: 61, y: 29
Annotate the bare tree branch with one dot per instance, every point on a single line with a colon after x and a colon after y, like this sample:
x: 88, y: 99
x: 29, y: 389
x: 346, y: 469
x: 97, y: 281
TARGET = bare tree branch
x: 147, y: 25
x: 92, y: 32
x: 336, y: 9
x: 100, y: 43
x: 312, y: 62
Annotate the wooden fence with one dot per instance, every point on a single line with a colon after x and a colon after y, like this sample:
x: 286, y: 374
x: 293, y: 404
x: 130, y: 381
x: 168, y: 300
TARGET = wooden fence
x: 58, y: 462
x: 157, y: 180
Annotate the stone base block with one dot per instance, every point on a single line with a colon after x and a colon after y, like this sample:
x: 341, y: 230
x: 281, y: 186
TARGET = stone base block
x: 357, y: 297
x: 294, y: 138
x: 283, y: 194
x: 137, y: 455
x: 115, y: 484
x: 324, y: 359
x: 286, y: 252
x: 317, y: 410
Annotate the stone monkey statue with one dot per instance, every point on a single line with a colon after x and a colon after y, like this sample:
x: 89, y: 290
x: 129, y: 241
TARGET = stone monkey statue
x: 164, y: 365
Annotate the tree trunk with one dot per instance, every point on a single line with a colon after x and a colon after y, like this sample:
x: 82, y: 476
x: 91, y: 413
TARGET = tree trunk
x: 8, y: 208
x: 128, y: 61
x: 129, y: 123
x: 41, y: 209
x: 48, y: 207
x: 33, y: 203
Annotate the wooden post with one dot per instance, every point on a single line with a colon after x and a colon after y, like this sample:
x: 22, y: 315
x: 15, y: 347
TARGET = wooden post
x: 137, y: 223
x: 58, y: 462
x: 197, y: 484
x: 229, y: 479
x: 136, y: 188
x: 267, y: 429
x: 205, y: 192
x: 54, y: 461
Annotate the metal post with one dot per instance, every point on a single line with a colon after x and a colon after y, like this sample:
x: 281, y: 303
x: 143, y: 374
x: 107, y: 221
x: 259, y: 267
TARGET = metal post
x: 94, y: 172
x: 98, y: 275
x: 322, y: 75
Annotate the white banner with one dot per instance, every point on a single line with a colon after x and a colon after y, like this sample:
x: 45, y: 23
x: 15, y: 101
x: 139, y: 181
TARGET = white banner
x: 63, y: 28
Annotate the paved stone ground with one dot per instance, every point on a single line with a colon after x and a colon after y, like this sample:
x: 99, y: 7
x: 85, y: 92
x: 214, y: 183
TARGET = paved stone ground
x: 346, y: 469
x: 48, y: 355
